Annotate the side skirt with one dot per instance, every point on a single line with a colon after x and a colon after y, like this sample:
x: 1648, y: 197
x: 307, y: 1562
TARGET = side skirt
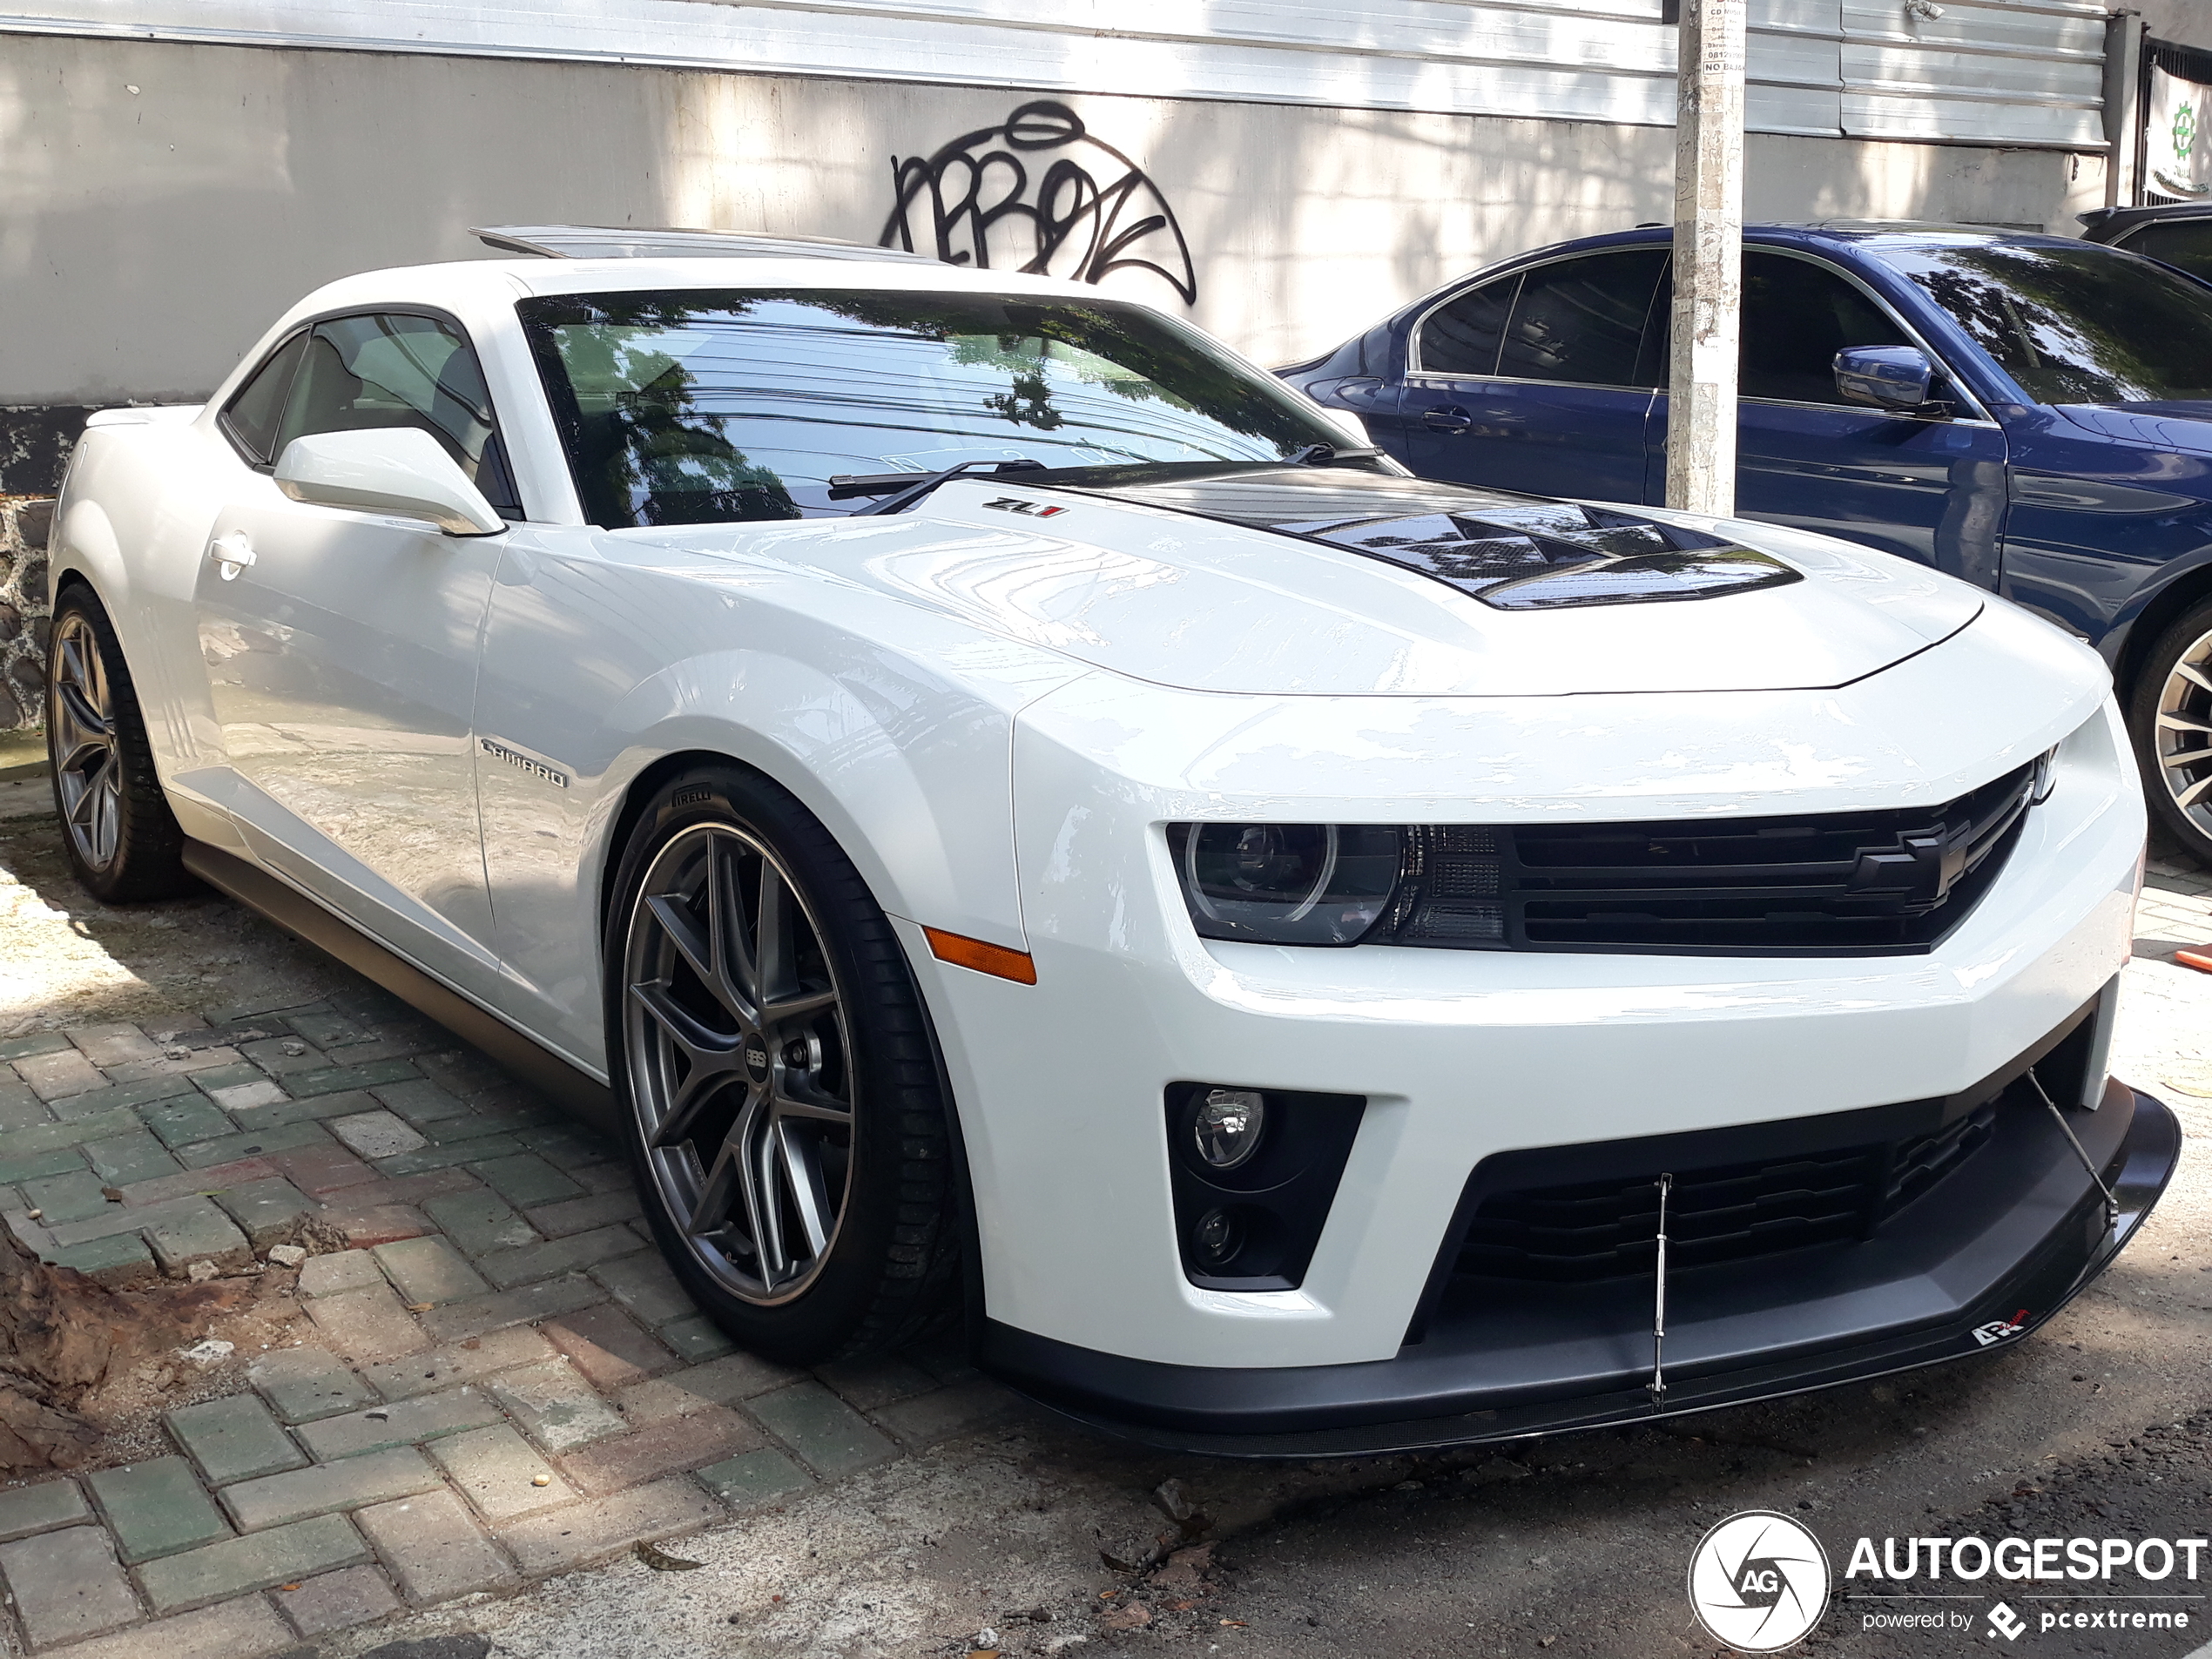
x: 299, y: 915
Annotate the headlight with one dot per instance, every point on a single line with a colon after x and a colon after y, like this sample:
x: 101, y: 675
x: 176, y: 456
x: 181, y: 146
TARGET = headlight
x: 1286, y: 884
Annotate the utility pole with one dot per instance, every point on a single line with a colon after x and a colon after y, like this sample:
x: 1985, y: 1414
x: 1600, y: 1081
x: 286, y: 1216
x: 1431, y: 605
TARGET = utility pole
x: 1708, y: 257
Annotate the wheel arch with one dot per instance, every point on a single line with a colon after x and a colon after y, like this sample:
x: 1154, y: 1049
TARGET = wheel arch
x: 2177, y: 591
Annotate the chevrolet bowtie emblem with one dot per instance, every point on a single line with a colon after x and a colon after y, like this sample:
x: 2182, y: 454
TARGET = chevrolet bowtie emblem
x: 1920, y: 868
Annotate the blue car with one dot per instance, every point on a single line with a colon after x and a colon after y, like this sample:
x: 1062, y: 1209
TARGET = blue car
x: 2031, y: 412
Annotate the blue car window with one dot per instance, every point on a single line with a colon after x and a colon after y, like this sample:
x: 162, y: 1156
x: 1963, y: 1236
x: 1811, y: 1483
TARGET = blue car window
x: 2185, y: 242
x: 1582, y: 320
x: 1797, y: 317
x: 1463, y: 337
x: 2079, y: 324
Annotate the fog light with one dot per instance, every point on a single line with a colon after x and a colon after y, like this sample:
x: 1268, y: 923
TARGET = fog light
x: 1228, y: 1125
x: 1216, y: 1236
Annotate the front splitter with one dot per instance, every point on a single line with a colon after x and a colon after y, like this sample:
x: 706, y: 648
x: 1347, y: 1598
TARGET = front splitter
x: 1135, y: 1400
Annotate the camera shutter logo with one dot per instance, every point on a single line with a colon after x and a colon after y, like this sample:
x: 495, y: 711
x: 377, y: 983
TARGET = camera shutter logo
x: 1758, y: 1582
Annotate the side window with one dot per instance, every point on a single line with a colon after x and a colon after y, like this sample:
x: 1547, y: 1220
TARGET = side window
x: 396, y: 370
x: 251, y: 417
x: 2184, y: 242
x: 1462, y: 336
x: 1797, y: 317
x: 1583, y: 319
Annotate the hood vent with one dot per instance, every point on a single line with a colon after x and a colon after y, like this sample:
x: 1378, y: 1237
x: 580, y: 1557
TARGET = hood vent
x: 1512, y: 552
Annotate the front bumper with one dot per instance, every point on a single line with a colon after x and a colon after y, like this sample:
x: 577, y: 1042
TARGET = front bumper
x: 1975, y: 1265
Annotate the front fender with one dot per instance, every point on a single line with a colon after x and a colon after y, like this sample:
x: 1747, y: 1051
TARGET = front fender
x: 892, y: 723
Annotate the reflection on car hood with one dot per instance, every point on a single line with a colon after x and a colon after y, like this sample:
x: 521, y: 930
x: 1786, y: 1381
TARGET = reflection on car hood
x: 1512, y: 553
x: 1208, y: 602
x: 2181, y: 428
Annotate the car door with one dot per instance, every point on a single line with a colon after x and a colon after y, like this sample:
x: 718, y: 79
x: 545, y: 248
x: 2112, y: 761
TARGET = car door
x: 1929, y: 487
x: 341, y: 646
x: 1538, y: 382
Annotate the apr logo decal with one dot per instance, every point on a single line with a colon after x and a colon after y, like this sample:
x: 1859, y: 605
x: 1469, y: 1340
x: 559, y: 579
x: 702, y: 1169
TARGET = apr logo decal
x: 1758, y: 1582
x: 1997, y: 1330
x: 1029, y: 509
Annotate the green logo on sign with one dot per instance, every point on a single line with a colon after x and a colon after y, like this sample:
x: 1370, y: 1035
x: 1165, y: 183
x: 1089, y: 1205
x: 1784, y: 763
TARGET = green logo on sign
x: 2184, y: 129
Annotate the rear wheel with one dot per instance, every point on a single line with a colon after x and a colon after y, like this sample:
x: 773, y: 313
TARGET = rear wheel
x: 786, y: 1113
x: 122, y: 842
x: 2170, y: 713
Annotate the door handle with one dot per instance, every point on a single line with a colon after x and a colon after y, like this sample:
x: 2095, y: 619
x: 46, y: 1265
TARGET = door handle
x: 230, y: 554
x: 1450, y: 419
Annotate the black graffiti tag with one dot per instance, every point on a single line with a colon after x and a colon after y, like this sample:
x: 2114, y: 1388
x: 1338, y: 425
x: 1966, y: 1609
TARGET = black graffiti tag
x: 1088, y: 210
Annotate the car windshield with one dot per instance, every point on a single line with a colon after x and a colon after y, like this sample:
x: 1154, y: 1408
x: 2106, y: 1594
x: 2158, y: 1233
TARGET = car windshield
x: 2074, y: 325
x: 701, y: 408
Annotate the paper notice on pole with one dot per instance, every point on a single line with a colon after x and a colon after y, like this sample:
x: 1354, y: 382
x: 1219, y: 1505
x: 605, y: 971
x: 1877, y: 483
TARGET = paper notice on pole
x: 2178, y: 154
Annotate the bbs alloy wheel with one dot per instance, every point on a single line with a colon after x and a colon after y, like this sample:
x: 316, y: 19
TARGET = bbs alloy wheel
x: 738, y: 1068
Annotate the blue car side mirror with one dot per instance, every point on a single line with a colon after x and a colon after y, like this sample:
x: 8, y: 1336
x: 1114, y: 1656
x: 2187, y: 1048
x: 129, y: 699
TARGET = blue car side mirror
x: 1888, y: 377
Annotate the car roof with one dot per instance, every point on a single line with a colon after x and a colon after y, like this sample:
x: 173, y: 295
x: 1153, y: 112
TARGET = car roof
x: 633, y: 242
x: 2108, y: 224
x: 467, y: 284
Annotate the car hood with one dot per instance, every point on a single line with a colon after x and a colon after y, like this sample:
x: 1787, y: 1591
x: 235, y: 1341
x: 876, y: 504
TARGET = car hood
x: 1328, y: 581
x: 2181, y: 428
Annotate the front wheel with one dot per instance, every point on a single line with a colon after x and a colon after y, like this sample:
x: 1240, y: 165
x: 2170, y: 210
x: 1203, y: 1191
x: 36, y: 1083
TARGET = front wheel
x: 2171, y: 714
x: 786, y: 1119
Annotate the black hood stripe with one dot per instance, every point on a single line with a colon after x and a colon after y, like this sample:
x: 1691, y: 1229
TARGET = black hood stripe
x: 1512, y: 552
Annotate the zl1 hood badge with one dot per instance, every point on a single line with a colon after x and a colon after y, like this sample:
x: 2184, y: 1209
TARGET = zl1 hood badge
x: 1032, y: 509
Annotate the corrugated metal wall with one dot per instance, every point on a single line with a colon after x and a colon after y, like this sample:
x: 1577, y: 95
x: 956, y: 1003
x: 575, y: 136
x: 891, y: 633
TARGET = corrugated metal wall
x: 1980, y: 71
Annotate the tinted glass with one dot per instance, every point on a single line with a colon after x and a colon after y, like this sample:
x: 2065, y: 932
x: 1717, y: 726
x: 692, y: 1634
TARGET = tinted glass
x: 252, y: 416
x: 1583, y: 320
x: 390, y: 370
x: 1463, y: 337
x: 695, y: 408
x: 1797, y: 317
x: 2074, y: 325
x: 2185, y: 242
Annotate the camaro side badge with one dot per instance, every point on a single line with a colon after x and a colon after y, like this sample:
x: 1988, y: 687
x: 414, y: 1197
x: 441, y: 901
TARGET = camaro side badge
x: 1997, y: 1330
x: 523, y: 763
x: 1033, y: 509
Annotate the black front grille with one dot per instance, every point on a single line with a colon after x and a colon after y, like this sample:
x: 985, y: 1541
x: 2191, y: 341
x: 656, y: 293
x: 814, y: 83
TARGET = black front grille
x: 1874, y: 883
x: 1610, y: 1228
x: 1603, y: 1230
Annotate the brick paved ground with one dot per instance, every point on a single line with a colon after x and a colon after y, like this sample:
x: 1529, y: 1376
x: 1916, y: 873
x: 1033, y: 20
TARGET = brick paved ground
x: 497, y: 1380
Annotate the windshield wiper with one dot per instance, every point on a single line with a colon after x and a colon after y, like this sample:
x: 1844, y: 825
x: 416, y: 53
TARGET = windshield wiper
x: 904, y: 488
x: 1327, y: 455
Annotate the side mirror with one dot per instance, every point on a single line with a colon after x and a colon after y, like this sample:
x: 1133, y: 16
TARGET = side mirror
x: 1888, y: 377
x: 403, y: 470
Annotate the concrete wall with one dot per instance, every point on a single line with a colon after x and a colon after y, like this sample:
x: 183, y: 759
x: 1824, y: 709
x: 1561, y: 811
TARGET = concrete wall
x: 2189, y: 21
x: 160, y: 204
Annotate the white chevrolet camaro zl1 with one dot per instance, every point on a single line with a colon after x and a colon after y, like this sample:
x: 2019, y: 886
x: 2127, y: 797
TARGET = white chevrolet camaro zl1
x: 1005, y: 807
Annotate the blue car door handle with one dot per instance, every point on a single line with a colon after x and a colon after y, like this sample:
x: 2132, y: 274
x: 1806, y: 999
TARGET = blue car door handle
x: 1449, y: 418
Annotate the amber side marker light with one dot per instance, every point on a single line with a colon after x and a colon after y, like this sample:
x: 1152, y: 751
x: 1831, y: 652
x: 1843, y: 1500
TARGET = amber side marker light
x: 994, y: 960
